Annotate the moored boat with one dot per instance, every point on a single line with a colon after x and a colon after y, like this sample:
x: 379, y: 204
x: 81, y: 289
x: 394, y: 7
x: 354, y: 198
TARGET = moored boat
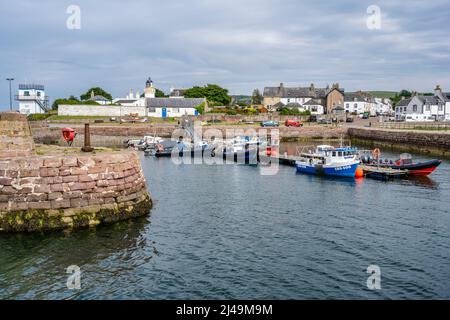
x: 405, y: 162
x: 329, y: 161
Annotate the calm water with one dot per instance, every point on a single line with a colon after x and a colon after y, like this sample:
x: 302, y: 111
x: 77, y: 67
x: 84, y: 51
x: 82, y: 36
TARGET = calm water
x: 229, y: 232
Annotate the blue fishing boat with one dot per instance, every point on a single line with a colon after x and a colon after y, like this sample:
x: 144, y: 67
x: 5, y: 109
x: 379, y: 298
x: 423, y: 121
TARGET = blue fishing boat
x: 329, y: 161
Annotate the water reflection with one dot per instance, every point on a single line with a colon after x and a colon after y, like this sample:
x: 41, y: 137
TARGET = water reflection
x: 31, y: 263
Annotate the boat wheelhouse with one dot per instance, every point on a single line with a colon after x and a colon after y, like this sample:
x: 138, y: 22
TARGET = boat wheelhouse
x: 330, y: 161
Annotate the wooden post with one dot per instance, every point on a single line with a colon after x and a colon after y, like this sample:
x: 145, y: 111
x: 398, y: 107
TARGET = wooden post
x: 87, y: 139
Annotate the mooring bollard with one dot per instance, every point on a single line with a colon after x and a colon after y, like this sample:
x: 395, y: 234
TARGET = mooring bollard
x: 87, y: 139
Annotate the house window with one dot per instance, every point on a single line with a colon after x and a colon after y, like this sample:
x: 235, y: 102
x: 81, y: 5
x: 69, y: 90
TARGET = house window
x: 26, y: 93
x: 415, y: 108
x: 355, y: 106
x: 347, y: 105
x: 428, y: 108
x: 38, y: 93
x: 151, y: 109
x: 440, y: 108
x: 289, y: 100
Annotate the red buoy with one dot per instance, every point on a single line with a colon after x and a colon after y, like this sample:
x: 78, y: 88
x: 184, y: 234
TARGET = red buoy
x: 68, y: 135
x: 359, y: 173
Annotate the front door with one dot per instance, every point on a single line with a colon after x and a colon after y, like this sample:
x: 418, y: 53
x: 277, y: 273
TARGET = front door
x: 164, y: 112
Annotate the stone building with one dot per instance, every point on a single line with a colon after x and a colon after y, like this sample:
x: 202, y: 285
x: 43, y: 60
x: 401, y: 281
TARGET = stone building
x: 329, y: 97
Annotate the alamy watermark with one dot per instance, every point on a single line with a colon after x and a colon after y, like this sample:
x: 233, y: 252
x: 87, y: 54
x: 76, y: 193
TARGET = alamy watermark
x: 373, y: 21
x: 73, y: 22
x: 374, y: 280
x: 74, y: 279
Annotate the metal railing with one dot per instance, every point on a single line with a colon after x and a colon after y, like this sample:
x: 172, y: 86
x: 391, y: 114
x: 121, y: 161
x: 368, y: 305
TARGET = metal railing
x: 413, y: 125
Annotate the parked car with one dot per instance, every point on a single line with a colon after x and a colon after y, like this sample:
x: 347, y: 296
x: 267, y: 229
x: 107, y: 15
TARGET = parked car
x: 313, y: 118
x: 349, y: 119
x: 293, y: 123
x: 324, y: 121
x: 270, y: 124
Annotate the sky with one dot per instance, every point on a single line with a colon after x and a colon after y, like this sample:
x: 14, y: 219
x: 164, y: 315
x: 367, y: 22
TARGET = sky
x: 238, y: 44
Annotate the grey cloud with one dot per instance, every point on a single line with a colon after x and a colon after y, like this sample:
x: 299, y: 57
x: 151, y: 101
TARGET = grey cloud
x: 238, y: 44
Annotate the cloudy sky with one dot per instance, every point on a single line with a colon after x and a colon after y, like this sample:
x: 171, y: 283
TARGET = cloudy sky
x: 238, y: 44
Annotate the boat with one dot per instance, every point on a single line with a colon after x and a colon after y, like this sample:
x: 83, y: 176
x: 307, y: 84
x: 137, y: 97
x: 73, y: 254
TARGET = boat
x: 165, y: 148
x: 405, y: 162
x: 329, y: 161
x: 243, y: 150
x: 133, y: 120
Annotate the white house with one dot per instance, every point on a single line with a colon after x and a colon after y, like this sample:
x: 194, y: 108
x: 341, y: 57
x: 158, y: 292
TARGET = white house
x: 32, y: 99
x: 147, y: 105
x: 173, y: 107
x: 355, y: 103
x: 314, y: 107
x: 424, y: 108
x: 381, y: 106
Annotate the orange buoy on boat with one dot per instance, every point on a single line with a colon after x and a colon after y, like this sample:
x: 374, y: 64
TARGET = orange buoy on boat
x: 359, y: 173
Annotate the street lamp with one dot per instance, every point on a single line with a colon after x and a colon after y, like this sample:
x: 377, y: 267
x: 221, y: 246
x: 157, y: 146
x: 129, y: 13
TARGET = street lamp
x: 10, y: 94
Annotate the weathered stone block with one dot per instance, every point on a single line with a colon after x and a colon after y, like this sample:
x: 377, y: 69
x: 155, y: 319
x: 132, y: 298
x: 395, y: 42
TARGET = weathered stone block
x: 42, y: 188
x: 40, y: 205
x: 60, y: 204
x: 55, y: 162
x: 37, y: 197
x: 54, y: 195
x: 70, y: 179
x: 58, y: 187
x: 49, y: 172
x: 8, y: 190
x: 78, y: 203
x: 5, y: 181
x: 70, y: 162
x: 72, y: 194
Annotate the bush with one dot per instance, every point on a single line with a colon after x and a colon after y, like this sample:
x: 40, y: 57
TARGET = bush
x: 294, y: 112
x: 38, y: 116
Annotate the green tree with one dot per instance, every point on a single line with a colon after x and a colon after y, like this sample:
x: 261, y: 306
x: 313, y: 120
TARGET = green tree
x: 257, y: 98
x: 200, y: 108
x: 160, y: 94
x: 398, y: 96
x: 212, y: 93
x: 97, y: 92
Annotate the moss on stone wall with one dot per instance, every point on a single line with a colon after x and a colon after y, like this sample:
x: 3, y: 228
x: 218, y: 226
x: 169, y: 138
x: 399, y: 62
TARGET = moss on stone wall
x: 45, y: 220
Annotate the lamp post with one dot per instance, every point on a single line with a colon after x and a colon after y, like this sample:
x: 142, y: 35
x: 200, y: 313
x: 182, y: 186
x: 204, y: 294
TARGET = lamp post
x: 10, y: 94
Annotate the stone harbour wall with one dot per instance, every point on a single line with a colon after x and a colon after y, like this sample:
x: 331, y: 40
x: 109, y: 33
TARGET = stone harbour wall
x: 416, y: 138
x: 39, y: 193
x: 15, y: 136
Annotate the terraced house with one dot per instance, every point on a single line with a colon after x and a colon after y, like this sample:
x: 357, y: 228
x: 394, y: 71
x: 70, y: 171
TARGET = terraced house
x: 316, y: 100
x: 424, y: 108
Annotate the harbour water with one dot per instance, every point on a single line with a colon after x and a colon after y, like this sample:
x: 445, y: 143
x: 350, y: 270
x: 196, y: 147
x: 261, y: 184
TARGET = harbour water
x: 228, y: 232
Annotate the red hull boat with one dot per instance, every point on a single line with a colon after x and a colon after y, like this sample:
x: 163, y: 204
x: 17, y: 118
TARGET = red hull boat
x: 417, y: 169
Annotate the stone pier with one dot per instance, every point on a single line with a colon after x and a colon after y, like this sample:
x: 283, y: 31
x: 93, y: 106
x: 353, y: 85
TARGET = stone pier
x: 39, y: 193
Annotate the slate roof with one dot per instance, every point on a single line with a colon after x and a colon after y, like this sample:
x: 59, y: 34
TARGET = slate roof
x: 98, y: 98
x: 297, y: 92
x: 430, y: 99
x: 278, y: 105
x: 174, y: 102
x: 312, y: 102
x: 126, y: 101
x: 293, y: 105
x: 353, y: 97
x: 404, y: 102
